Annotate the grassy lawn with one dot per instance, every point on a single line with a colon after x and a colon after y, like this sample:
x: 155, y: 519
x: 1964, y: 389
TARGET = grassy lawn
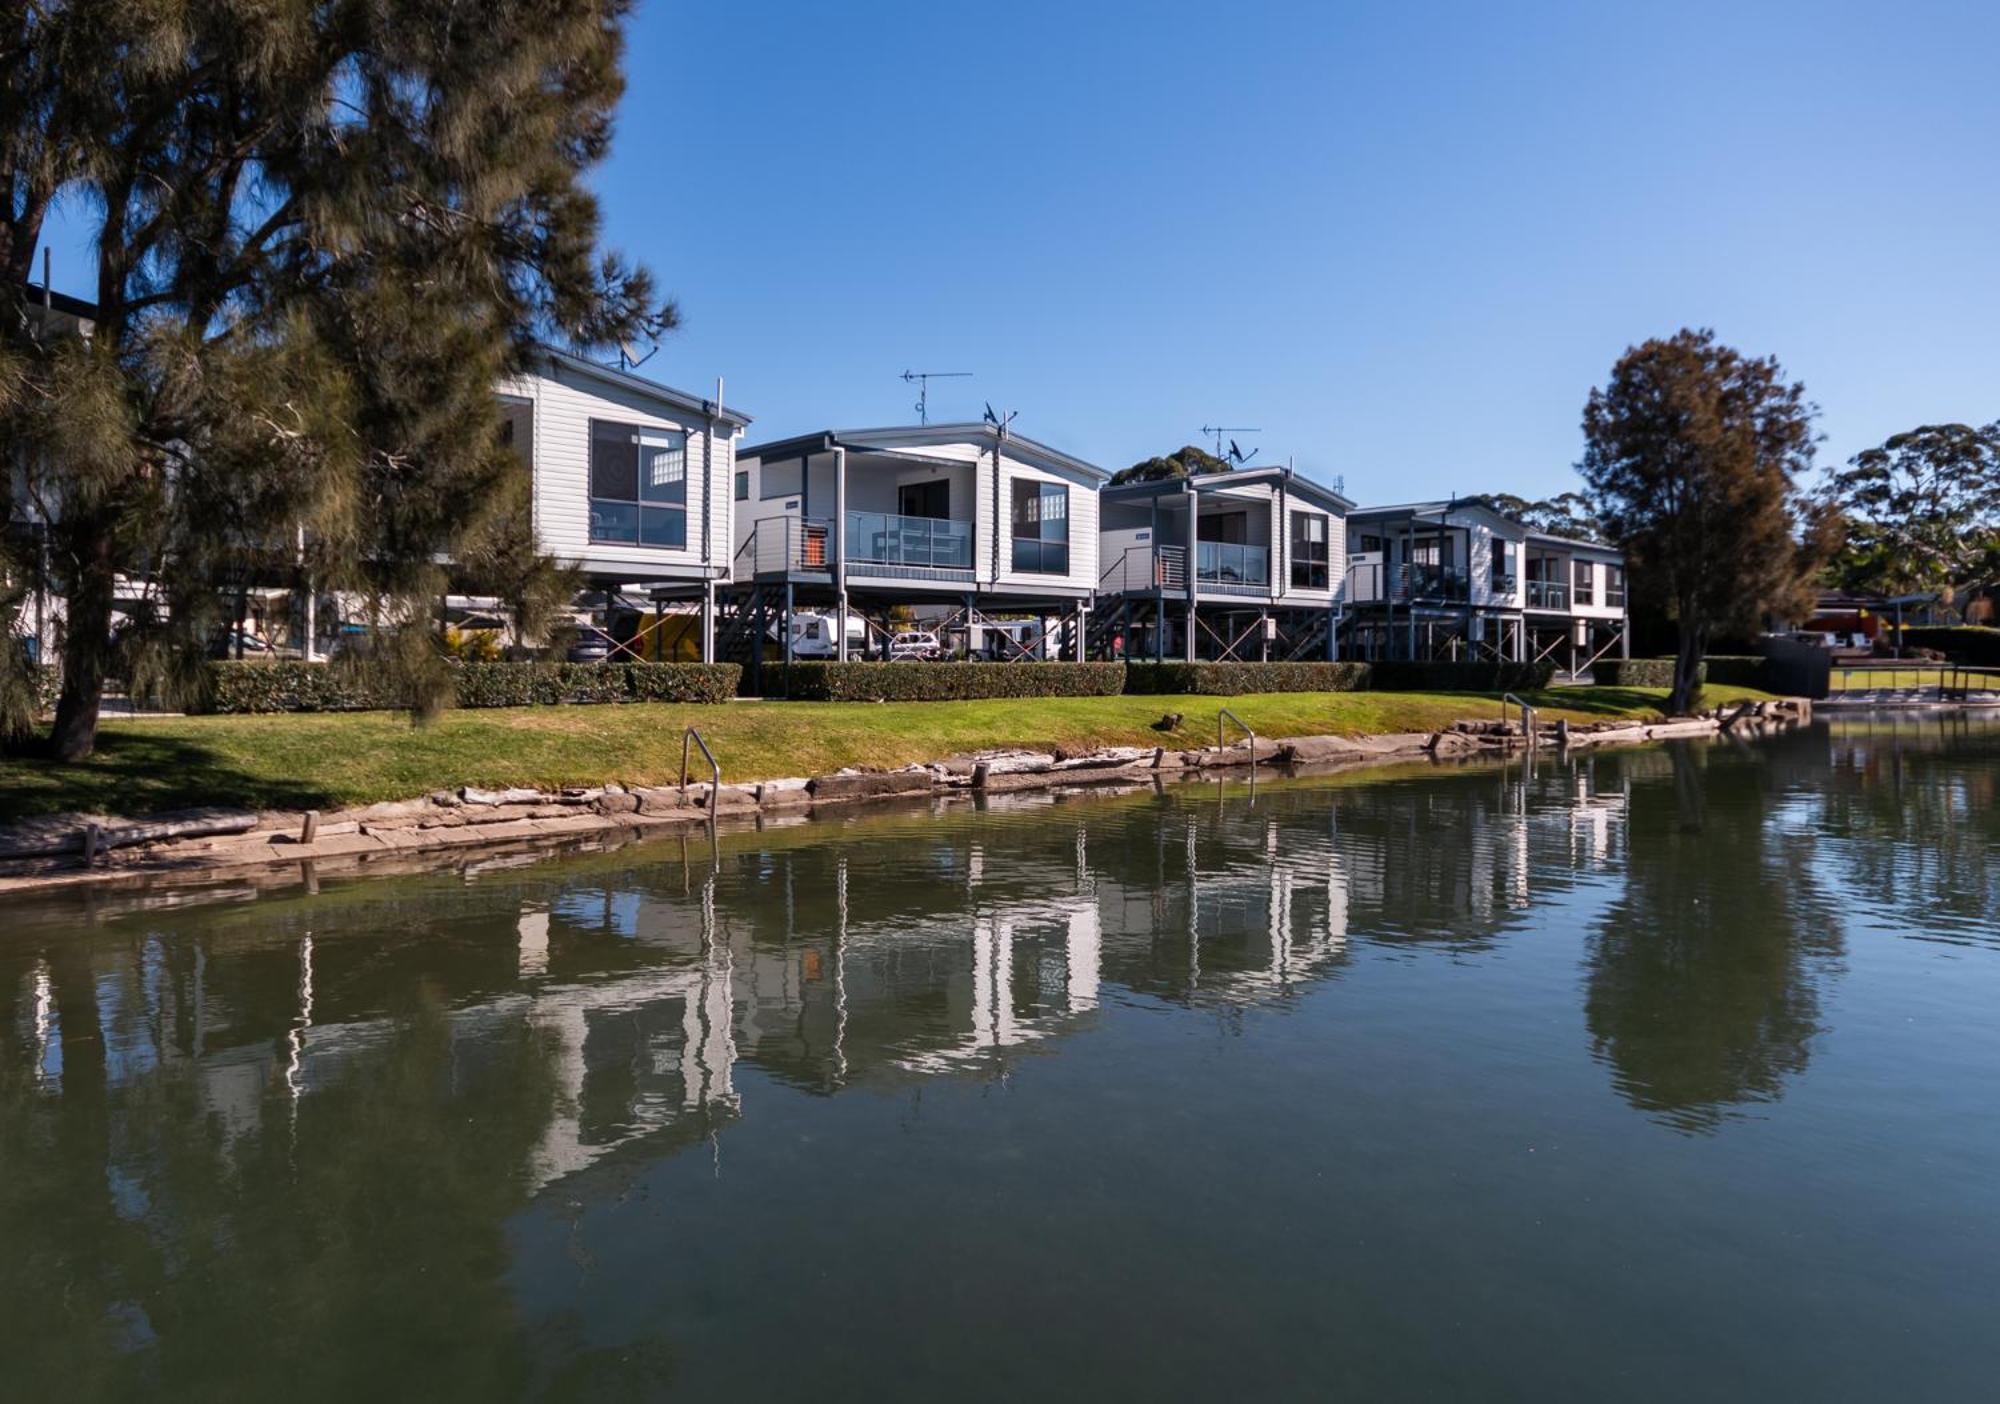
x: 331, y: 759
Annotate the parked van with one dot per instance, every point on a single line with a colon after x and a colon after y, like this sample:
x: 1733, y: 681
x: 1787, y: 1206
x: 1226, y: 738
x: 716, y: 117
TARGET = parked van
x: 915, y: 645
x: 816, y: 635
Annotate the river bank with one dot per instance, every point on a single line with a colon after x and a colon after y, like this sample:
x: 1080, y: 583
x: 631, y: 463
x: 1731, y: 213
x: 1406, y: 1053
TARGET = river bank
x: 67, y: 850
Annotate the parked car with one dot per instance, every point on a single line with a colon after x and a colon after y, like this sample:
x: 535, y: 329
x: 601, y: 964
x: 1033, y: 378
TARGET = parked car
x: 591, y: 645
x: 915, y: 645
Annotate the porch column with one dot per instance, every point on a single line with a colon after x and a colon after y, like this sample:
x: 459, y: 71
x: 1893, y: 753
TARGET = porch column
x: 1263, y: 636
x: 1187, y: 642
x: 1625, y: 638
x: 840, y: 550
x: 708, y: 621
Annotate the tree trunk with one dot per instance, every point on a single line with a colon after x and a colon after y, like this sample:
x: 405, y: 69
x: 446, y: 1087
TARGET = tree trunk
x: 86, y: 654
x: 1687, y: 668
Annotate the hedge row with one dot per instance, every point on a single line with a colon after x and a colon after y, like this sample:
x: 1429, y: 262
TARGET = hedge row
x: 1966, y: 643
x: 1392, y: 675
x: 1234, y: 679
x: 1724, y: 670
x: 336, y: 687
x: 951, y: 682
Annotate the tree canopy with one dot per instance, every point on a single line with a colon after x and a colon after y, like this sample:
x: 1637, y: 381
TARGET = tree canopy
x: 1693, y: 454
x: 1921, y: 511
x: 322, y: 231
x: 1568, y: 514
x: 1184, y: 462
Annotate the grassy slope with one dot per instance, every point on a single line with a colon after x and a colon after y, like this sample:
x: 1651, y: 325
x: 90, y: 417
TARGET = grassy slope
x: 322, y: 761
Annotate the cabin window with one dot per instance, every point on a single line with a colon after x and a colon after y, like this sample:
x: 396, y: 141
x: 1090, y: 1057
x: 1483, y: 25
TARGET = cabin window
x: 1614, y: 586
x: 638, y: 486
x: 1504, y: 553
x: 1310, y: 559
x: 931, y: 500
x: 1371, y: 544
x: 1041, y: 527
x: 1228, y: 528
x: 743, y: 485
x: 786, y: 479
x: 1585, y: 592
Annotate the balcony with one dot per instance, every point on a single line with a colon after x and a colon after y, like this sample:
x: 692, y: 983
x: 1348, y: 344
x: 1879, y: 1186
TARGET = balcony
x: 1422, y: 580
x: 1548, y: 594
x: 1226, y: 566
x: 928, y: 543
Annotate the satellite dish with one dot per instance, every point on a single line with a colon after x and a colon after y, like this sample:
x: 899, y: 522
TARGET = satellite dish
x: 991, y: 417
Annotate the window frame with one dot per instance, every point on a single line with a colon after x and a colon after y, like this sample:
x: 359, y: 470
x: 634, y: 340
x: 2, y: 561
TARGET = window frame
x: 1301, y: 551
x: 1582, y: 584
x: 1040, y: 491
x: 666, y: 509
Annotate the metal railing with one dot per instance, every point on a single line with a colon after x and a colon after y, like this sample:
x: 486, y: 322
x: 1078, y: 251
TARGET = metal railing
x: 1956, y: 682
x: 1420, y: 580
x: 1227, y: 563
x: 1548, y: 594
x: 784, y: 544
x: 1223, y: 712
x: 691, y: 735
x: 1527, y: 714
x: 1145, y: 569
x: 887, y: 538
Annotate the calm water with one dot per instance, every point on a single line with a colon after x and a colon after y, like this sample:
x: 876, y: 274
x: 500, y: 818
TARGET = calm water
x: 1665, y: 1075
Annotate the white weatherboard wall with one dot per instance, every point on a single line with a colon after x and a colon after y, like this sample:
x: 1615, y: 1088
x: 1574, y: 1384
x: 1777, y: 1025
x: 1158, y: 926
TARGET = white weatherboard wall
x: 564, y: 403
x: 1082, y: 574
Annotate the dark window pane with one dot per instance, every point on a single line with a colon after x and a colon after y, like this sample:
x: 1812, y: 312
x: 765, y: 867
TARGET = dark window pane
x: 614, y: 521
x: 663, y: 526
x: 743, y: 487
x: 614, y: 467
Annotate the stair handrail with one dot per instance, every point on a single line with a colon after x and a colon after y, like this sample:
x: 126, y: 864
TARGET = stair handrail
x: 1527, y: 714
x: 691, y: 735
x: 1220, y: 713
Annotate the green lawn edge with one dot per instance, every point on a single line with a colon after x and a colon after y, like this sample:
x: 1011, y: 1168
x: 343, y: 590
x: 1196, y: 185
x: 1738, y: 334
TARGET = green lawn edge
x: 329, y: 760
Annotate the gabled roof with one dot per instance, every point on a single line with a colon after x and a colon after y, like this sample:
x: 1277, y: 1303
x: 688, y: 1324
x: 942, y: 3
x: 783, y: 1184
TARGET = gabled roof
x: 638, y: 384
x: 918, y: 436
x: 1292, y: 481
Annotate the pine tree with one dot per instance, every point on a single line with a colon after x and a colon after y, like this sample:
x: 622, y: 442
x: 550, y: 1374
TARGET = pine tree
x: 323, y: 231
x: 1693, y: 454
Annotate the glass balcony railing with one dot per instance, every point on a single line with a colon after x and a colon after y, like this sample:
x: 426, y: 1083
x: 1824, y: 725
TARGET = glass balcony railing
x: 1222, y: 563
x: 884, y: 538
x: 1548, y: 594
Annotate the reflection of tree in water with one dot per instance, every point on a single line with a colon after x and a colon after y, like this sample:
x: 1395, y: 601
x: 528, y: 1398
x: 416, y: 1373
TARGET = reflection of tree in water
x: 1703, y: 976
x: 1918, y: 827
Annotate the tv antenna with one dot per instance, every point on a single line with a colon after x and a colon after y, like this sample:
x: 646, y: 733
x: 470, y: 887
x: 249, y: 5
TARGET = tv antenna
x: 1000, y: 421
x: 922, y: 380
x: 1233, y: 454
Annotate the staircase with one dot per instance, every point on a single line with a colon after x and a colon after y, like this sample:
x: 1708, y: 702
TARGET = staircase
x: 744, y: 616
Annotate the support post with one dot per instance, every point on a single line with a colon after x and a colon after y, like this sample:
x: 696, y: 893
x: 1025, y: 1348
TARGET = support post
x: 785, y: 629
x: 708, y: 621
x: 840, y: 551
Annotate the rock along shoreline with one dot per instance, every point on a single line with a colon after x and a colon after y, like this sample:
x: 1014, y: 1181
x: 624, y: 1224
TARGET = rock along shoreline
x: 71, y: 850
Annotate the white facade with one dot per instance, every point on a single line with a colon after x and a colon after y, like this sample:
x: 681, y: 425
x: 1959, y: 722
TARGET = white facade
x: 567, y: 410
x: 922, y: 506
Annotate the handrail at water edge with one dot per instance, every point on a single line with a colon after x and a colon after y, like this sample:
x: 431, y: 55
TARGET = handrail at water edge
x: 695, y: 736
x: 1220, y: 713
x: 1527, y: 713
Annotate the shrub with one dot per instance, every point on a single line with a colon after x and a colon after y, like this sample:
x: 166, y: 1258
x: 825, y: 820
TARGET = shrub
x: 1400, y: 676
x: 1235, y: 679
x: 1967, y: 643
x: 1724, y: 670
x: 951, y: 682
x: 292, y: 686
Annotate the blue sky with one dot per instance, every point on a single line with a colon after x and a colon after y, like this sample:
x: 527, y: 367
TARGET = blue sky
x: 1405, y: 239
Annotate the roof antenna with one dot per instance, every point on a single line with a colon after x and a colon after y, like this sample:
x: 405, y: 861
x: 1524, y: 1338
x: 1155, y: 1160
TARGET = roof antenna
x: 1235, y: 454
x: 999, y: 421
x: 922, y: 380
x: 628, y: 359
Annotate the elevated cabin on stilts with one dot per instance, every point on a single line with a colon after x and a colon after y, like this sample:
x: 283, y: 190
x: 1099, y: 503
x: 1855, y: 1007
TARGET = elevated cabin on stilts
x: 633, y: 487
x: 1458, y: 581
x: 960, y: 530
x: 1244, y: 566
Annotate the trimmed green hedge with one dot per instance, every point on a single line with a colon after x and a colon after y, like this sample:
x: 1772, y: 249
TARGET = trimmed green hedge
x: 951, y: 682
x: 1964, y: 643
x: 1724, y: 670
x: 1235, y: 679
x: 292, y: 686
x: 1391, y: 675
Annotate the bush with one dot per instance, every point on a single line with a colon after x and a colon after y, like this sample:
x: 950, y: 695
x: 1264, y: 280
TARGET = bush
x: 1636, y: 672
x: 1235, y: 679
x: 1724, y: 670
x: 951, y: 682
x: 292, y: 686
x: 1967, y: 643
x: 1400, y: 676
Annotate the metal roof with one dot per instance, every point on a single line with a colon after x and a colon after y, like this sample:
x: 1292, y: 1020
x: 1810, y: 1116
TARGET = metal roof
x: 611, y: 375
x: 895, y: 436
x: 1202, y: 482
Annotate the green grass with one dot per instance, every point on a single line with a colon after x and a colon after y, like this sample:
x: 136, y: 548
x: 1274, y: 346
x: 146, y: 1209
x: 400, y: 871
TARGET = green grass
x: 333, y: 759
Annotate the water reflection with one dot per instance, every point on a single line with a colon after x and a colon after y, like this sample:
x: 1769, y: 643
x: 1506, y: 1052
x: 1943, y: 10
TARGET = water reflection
x: 306, y: 1122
